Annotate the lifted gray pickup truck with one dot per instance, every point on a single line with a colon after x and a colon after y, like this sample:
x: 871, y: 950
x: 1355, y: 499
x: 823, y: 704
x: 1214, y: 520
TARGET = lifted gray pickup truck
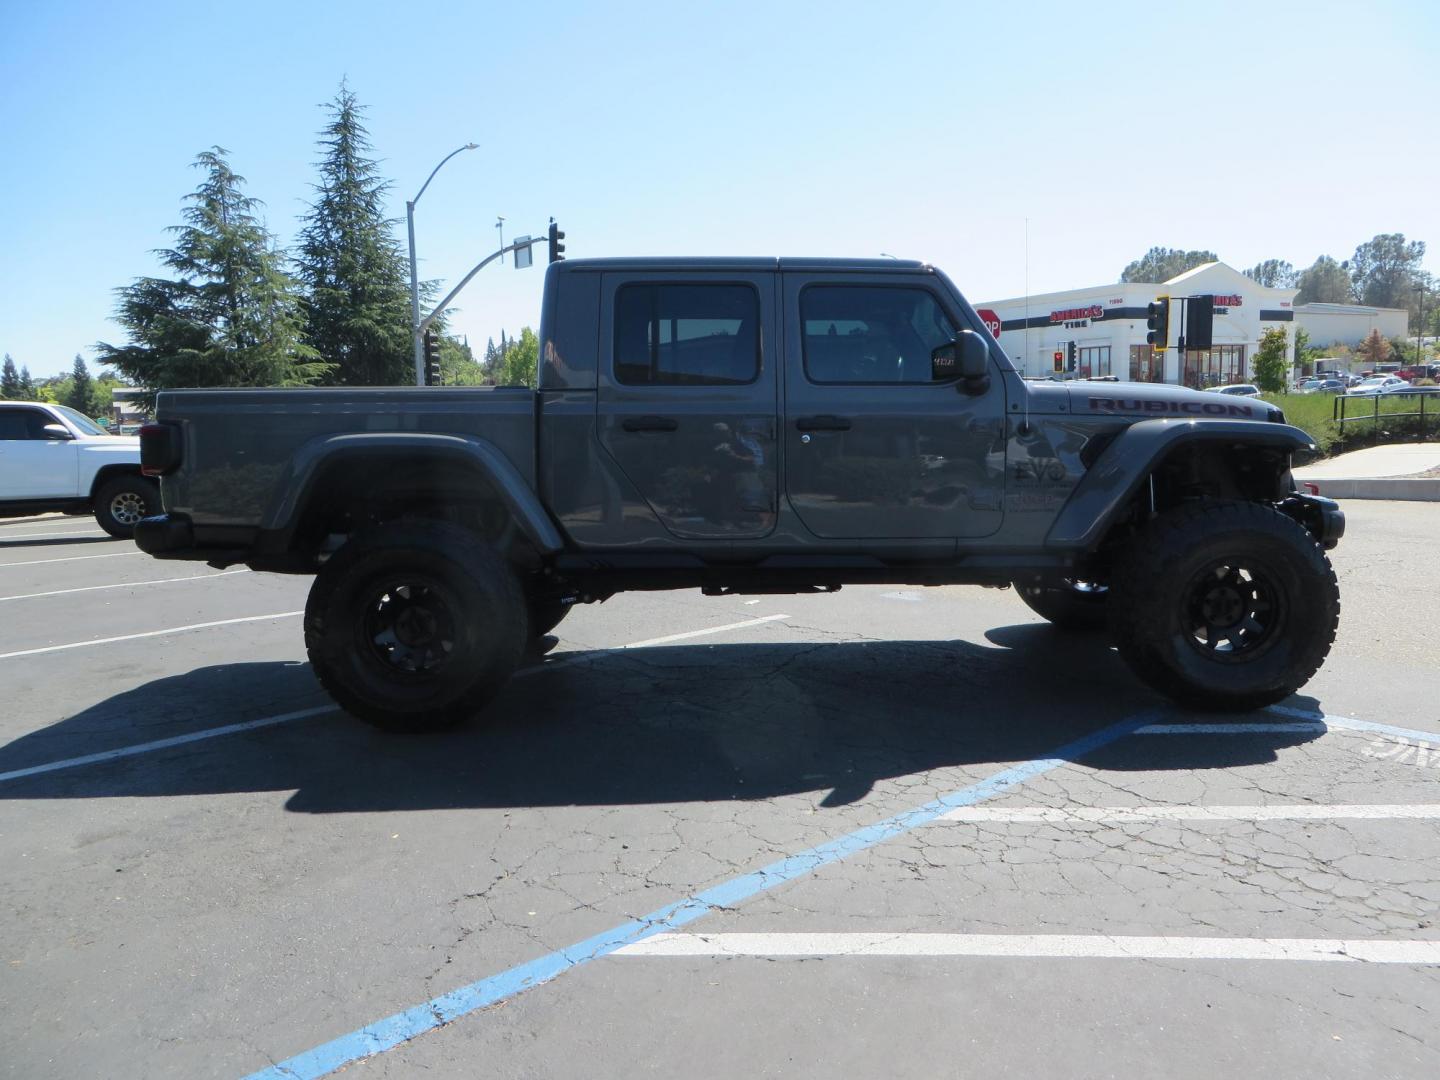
x: 752, y: 426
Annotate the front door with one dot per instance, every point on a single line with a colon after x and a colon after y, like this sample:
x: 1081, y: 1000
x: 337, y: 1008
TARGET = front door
x: 873, y: 446
x: 687, y: 398
x: 33, y: 463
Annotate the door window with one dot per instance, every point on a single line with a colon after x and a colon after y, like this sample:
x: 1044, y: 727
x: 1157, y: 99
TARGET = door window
x: 871, y: 334
x: 16, y: 424
x: 687, y: 335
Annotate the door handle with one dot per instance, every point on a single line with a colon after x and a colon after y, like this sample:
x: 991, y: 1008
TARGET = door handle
x: 822, y: 423
x: 649, y: 423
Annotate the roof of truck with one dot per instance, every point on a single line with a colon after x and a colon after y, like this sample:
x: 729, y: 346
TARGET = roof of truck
x: 731, y: 262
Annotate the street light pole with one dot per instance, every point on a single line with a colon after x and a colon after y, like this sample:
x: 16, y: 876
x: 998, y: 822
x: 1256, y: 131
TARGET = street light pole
x: 1420, y: 336
x: 415, y: 327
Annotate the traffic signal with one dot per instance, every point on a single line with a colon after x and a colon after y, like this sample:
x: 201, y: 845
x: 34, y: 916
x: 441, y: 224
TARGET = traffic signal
x: 1071, y: 352
x: 1199, y: 321
x: 1059, y: 361
x: 557, y: 243
x: 1157, y: 321
x: 432, y: 358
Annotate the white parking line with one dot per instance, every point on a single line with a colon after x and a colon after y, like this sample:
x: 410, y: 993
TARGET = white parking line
x: 705, y: 632
x: 125, y: 585
x: 1122, y: 815
x: 564, y: 661
x: 148, y: 634
x: 161, y: 744
x: 1039, y: 946
x: 1300, y: 728
x: 27, y: 537
x: 71, y: 558
x: 249, y: 725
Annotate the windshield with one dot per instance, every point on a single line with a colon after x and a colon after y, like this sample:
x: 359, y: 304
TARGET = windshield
x: 80, y: 421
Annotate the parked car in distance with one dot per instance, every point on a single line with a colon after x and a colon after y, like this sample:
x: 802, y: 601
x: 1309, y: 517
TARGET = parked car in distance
x: 1323, y: 386
x: 54, y: 458
x: 1237, y: 390
x: 1378, y: 384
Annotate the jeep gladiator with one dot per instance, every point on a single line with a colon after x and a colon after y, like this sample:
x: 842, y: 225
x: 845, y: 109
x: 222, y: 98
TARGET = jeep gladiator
x: 752, y: 426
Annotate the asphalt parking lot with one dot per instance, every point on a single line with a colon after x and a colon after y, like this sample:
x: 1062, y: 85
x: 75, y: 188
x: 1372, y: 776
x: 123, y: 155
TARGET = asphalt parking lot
x: 891, y: 832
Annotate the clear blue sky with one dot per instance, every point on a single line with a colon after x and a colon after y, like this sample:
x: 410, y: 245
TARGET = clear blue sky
x: 1258, y: 130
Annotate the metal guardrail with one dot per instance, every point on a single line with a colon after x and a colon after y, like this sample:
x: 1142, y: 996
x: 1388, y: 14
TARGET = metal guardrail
x: 1366, y: 407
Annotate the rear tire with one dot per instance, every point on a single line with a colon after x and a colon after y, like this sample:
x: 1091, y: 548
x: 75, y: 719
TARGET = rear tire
x: 1229, y: 606
x: 415, y: 625
x: 121, y: 503
x: 1081, y: 607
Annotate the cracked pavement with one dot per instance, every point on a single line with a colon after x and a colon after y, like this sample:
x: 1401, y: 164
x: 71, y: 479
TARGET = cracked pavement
x: 209, y: 909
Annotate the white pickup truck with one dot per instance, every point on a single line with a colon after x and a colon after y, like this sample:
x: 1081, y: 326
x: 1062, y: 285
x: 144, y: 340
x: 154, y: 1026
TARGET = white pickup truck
x: 54, y: 458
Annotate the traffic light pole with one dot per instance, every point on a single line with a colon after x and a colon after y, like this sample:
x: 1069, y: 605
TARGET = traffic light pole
x: 421, y: 325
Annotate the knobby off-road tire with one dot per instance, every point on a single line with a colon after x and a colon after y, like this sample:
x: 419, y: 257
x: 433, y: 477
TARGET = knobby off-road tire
x: 122, y: 502
x: 1223, y: 605
x: 415, y: 625
x: 1075, y: 606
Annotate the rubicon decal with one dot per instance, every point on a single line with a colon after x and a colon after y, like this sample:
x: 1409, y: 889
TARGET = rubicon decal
x: 1170, y: 408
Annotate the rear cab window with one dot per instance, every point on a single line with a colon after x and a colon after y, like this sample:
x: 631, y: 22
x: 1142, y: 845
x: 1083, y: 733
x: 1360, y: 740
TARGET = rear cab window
x: 687, y: 334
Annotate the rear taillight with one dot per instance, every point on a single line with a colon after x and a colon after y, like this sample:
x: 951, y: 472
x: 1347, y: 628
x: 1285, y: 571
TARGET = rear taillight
x: 159, y: 449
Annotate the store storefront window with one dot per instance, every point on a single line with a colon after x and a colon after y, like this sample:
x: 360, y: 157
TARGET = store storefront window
x: 1094, y: 360
x: 1220, y: 366
x: 1145, y: 365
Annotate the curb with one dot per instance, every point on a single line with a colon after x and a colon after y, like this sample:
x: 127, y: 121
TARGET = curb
x: 1407, y: 489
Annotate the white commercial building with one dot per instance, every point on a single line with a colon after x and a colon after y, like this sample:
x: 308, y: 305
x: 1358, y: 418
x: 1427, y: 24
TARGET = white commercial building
x: 1106, y: 326
x: 1350, y: 324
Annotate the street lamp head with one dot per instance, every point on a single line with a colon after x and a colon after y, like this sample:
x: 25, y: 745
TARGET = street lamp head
x: 472, y: 146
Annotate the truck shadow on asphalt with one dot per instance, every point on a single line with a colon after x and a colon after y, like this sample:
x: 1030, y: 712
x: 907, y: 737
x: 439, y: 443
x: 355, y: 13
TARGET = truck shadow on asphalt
x: 692, y: 723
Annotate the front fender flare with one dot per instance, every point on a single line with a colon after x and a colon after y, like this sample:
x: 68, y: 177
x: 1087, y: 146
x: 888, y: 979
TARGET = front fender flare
x: 1108, y: 486
x: 309, y: 460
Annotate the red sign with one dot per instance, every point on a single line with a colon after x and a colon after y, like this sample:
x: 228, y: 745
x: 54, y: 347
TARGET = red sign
x: 1233, y: 300
x: 1094, y: 311
x: 990, y: 319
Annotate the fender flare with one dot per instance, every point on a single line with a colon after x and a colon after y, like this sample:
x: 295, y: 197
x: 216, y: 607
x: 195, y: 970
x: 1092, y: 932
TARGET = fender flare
x: 1124, y: 465
x: 311, y: 458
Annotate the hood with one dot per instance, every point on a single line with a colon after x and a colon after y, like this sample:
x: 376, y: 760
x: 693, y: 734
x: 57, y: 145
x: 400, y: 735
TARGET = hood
x: 110, y: 444
x: 1143, y: 401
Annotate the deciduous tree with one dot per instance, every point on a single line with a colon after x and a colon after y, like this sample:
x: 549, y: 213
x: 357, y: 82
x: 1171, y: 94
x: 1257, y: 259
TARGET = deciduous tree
x: 1374, y: 349
x: 1271, y: 369
x: 1161, y: 264
x: 1273, y: 274
x: 1324, y: 282
x: 1384, y: 270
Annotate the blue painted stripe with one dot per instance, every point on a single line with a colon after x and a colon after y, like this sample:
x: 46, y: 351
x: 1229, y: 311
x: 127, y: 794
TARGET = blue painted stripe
x: 394, y: 1030
x: 1351, y: 724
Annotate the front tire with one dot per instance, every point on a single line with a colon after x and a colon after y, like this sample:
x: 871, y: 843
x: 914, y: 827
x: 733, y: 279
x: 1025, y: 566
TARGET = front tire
x: 122, y: 502
x: 1229, y: 606
x: 415, y: 625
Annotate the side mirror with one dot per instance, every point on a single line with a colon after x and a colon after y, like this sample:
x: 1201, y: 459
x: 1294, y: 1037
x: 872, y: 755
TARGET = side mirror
x: 57, y: 431
x: 967, y: 357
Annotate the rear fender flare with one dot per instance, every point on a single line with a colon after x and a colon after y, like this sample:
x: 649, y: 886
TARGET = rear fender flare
x: 1105, y: 490
x: 481, y: 455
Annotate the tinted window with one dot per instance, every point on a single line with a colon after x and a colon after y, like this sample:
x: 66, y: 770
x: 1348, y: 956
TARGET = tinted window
x: 687, y: 335
x: 23, y: 424
x: 858, y: 334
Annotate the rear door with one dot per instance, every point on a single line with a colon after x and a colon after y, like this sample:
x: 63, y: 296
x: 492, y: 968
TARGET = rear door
x: 34, y: 464
x: 874, y: 448
x: 686, y: 402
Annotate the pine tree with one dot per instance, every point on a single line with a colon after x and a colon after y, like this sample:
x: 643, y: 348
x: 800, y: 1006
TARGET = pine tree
x: 82, y: 388
x: 9, y: 380
x: 27, y: 386
x: 355, y: 277
x: 230, y: 316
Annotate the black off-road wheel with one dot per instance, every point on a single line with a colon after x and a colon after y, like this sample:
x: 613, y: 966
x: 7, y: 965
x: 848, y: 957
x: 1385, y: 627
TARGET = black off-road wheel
x: 121, y: 503
x: 1079, y: 606
x: 1227, y: 606
x: 415, y: 625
